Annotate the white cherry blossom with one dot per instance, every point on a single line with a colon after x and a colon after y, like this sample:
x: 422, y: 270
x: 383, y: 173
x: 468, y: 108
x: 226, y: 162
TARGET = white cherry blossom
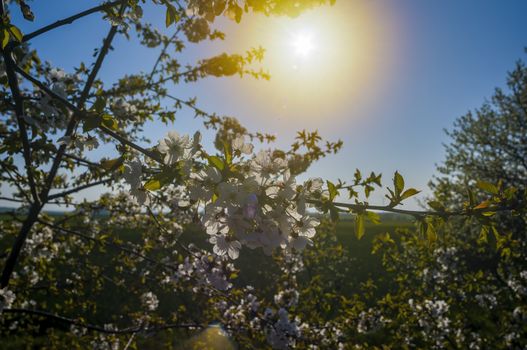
x: 224, y: 245
x: 175, y: 147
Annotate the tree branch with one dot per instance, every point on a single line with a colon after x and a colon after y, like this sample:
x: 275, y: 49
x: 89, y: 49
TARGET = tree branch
x: 78, y: 189
x: 36, y: 207
x: 69, y: 20
x: 82, y: 161
x: 101, y: 329
x: 81, y: 113
x: 19, y: 111
x: 415, y: 213
x: 12, y: 200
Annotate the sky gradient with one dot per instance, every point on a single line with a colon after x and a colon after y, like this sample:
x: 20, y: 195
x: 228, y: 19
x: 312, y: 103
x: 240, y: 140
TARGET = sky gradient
x: 391, y: 75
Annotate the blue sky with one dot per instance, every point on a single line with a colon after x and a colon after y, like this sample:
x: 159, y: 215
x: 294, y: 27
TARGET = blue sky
x: 421, y: 64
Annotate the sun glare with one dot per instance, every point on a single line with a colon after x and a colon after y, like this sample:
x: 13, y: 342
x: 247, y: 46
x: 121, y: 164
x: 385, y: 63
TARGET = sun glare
x: 303, y: 44
x: 319, y: 62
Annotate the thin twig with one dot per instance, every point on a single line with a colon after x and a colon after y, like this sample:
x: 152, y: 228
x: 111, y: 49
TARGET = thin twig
x: 69, y: 20
x: 78, y: 189
x: 415, y: 213
x: 100, y: 329
x: 83, y: 114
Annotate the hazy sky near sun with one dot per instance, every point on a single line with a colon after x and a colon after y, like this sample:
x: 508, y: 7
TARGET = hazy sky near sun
x: 384, y: 76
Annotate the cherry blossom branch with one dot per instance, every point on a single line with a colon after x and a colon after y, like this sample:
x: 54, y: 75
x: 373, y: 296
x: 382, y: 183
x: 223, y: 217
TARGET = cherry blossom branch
x: 415, y: 213
x: 81, y: 113
x: 19, y: 111
x: 161, y: 54
x: 100, y: 329
x: 36, y: 207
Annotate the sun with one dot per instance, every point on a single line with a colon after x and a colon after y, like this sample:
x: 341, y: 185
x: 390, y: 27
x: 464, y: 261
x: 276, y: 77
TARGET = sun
x: 303, y: 44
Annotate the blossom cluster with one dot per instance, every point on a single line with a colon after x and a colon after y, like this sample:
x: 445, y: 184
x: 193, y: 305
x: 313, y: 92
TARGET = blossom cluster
x: 443, y: 268
x: 371, y: 321
x: 247, y: 199
x: 206, y: 270
x: 433, y: 320
x: 281, y: 332
x: 7, y: 298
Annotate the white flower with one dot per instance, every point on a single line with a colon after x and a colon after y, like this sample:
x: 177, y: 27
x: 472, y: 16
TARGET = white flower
x: 57, y: 74
x: 239, y: 145
x: 306, y: 226
x: 79, y: 141
x: 282, y: 334
x: 7, y: 298
x: 150, y: 301
x: 132, y: 173
x: 223, y: 246
x: 285, y: 189
x: 60, y: 89
x: 300, y: 242
x: 314, y: 185
x: 91, y: 143
x: 175, y: 147
x: 206, y: 181
x: 250, y: 207
x: 65, y: 140
x: 139, y: 195
x: 228, y: 194
x: 214, y: 219
x: 264, y: 165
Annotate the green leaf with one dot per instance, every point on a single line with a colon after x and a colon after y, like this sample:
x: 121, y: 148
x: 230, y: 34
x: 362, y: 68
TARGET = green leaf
x: 373, y: 217
x: 109, y: 122
x: 487, y: 187
x: 17, y: 34
x: 26, y: 12
x: 482, y: 205
x: 91, y: 122
x: 334, y: 213
x: 437, y: 206
x: 359, y: 225
x: 398, y: 182
x: 152, y: 185
x: 99, y: 105
x: 422, y: 227
x: 168, y: 18
x: 367, y: 190
x: 409, y: 193
x: 228, y: 152
x: 483, y: 235
x: 4, y: 37
x: 110, y: 164
x: 216, y: 162
x: 332, y: 190
x: 472, y: 200
x: 161, y: 179
x: 496, y: 233
x: 431, y: 233
x: 358, y: 176
x: 171, y: 15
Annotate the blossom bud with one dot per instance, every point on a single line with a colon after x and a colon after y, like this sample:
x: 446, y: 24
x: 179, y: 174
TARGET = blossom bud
x: 251, y: 207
